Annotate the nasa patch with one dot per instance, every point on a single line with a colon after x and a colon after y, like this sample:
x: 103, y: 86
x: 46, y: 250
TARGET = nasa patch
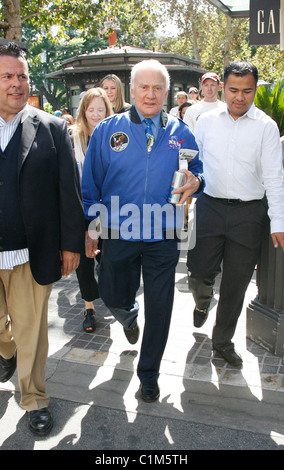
x: 119, y: 141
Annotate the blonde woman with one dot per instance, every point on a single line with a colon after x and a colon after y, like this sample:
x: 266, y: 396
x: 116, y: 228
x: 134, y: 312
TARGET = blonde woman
x: 94, y: 107
x: 112, y: 85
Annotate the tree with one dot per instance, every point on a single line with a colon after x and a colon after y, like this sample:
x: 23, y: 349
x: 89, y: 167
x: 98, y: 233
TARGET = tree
x: 79, y: 29
x: 84, y: 15
x: 15, y: 13
x: 206, y: 34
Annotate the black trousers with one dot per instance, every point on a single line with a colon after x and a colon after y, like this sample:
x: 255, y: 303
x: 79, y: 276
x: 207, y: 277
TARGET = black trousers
x: 86, y: 279
x: 228, y: 233
x: 119, y: 279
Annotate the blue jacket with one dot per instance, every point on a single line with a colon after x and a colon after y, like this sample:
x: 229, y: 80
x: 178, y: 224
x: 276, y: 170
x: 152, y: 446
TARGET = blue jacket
x: 132, y: 184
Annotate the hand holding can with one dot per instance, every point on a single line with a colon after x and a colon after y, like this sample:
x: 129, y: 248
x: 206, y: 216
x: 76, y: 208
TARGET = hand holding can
x: 179, y: 179
x: 190, y: 186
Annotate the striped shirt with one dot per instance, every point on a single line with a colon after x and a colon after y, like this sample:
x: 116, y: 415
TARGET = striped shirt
x: 9, y: 259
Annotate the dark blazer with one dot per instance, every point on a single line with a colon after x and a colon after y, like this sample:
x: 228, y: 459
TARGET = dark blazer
x: 49, y: 193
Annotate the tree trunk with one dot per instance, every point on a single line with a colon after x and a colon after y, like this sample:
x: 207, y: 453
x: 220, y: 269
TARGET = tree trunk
x: 228, y: 41
x: 12, y: 17
x: 192, y: 15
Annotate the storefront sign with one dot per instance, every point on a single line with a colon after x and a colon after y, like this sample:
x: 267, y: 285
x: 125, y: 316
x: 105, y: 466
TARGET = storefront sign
x: 34, y: 100
x: 264, y: 22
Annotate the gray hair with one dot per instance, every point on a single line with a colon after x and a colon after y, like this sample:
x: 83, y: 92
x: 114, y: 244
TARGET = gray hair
x: 150, y: 64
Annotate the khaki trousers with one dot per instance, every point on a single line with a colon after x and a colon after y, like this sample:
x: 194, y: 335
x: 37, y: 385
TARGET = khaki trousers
x: 23, y: 327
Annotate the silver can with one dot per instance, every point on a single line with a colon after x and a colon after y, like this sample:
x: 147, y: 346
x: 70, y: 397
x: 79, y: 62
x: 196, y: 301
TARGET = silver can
x: 179, y: 179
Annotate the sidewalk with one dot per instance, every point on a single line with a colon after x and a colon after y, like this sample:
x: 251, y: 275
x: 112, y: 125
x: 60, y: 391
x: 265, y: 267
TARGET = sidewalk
x: 92, y: 381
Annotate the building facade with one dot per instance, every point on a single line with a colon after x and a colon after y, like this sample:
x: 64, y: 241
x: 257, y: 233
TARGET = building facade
x: 86, y: 70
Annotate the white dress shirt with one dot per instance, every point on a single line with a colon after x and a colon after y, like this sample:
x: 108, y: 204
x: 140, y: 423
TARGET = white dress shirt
x: 9, y: 259
x: 193, y: 113
x: 242, y: 159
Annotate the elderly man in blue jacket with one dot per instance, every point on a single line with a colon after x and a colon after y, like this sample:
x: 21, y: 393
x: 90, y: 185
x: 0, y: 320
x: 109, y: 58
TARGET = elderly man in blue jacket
x: 126, y: 179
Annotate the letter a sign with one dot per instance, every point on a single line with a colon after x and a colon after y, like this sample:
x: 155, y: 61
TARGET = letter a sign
x: 265, y: 22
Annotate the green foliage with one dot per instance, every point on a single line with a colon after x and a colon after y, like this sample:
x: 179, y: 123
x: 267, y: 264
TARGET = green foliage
x: 58, y: 29
x: 48, y: 108
x: 204, y: 33
x: 47, y: 50
x: 271, y: 100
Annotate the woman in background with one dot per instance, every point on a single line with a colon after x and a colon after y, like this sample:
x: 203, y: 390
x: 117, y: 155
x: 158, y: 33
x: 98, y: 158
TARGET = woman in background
x: 94, y: 107
x: 112, y: 85
x: 69, y: 119
x: 182, y: 109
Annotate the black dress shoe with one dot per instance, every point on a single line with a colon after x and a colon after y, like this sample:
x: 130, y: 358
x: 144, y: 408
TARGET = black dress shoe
x: 199, y: 317
x: 132, y: 334
x: 230, y: 356
x: 7, y: 368
x: 149, y: 393
x: 40, y: 421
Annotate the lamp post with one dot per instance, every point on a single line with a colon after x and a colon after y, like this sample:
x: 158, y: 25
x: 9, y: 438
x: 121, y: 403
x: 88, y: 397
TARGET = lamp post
x: 265, y: 314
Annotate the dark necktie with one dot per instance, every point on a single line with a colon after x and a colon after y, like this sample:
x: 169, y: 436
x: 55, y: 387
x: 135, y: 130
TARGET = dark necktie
x: 149, y: 133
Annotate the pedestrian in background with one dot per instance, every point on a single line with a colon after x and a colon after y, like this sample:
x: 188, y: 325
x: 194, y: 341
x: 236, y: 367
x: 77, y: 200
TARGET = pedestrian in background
x: 180, y: 99
x: 193, y: 94
x: 94, y: 107
x: 210, y: 86
x: 113, y: 87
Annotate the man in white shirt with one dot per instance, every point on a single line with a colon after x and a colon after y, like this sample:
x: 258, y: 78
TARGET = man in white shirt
x: 242, y: 159
x: 180, y: 99
x: 210, y: 84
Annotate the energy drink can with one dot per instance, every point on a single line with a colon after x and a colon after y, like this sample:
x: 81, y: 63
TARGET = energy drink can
x: 179, y: 179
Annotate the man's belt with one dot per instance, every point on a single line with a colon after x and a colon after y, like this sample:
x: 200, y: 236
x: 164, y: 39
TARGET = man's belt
x: 232, y: 202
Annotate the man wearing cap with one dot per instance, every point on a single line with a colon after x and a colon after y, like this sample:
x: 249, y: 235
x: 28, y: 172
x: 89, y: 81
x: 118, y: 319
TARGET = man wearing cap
x: 180, y: 99
x: 193, y: 94
x: 210, y: 83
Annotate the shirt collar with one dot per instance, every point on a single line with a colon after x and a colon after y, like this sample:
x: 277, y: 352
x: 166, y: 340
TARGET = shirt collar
x: 156, y: 119
x: 251, y: 112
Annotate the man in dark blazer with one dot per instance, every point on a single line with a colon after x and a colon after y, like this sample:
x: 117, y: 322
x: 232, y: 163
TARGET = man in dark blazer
x: 41, y: 230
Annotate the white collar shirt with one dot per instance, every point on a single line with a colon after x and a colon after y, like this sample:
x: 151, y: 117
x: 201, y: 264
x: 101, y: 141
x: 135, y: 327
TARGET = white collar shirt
x: 7, y: 129
x: 242, y: 159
